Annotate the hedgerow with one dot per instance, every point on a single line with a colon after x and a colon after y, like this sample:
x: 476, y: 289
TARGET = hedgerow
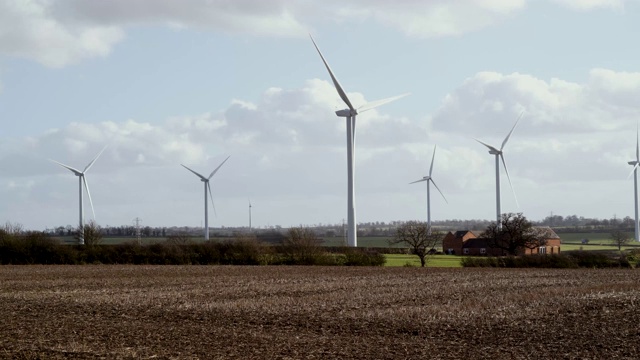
x: 569, y: 260
x: 38, y: 248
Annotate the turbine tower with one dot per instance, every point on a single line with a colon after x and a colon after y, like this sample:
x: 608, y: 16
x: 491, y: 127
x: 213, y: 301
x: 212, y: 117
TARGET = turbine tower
x: 207, y: 188
x: 500, y: 156
x: 350, y: 115
x: 249, y: 215
x: 429, y: 179
x: 82, y: 180
x: 635, y: 164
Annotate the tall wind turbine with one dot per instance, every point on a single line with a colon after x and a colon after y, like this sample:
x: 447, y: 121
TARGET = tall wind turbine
x: 350, y: 115
x: 207, y: 188
x: 636, y: 164
x: 500, y: 156
x: 429, y: 179
x: 82, y: 180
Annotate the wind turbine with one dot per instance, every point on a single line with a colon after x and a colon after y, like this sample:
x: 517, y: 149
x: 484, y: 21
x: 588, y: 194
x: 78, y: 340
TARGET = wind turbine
x: 429, y: 179
x: 500, y: 156
x: 636, y: 164
x: 207, y: 188
x: 82, y: 179
x: 249, y: 215
x: 350, y: 115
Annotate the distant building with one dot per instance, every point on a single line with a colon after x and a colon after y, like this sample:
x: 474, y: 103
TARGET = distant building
x: 465, y: 242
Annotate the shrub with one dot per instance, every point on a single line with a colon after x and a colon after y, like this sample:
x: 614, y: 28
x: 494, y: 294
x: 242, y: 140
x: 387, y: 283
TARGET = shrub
x: 363, y: 257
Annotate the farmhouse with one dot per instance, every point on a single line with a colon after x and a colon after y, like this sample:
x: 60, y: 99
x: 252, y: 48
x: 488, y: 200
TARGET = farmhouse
x: 465, y: 242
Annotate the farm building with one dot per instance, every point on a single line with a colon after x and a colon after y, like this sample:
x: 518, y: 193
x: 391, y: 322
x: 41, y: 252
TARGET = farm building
x: 465, y: 242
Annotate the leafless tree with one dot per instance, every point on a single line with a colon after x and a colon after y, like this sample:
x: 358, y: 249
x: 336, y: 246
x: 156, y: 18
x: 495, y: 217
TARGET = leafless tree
x: 516, y: 234
x: 620, y: 238
x: 179, y: 239
x: 417, y: 236
x: 301, y: 246
x: 92, y: 233
x: 12, y: 228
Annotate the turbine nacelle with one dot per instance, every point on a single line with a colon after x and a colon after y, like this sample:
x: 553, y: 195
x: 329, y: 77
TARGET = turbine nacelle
x: 347, y: 112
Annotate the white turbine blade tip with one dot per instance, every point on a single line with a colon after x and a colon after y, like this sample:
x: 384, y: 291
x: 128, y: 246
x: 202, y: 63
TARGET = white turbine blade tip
x: 198, y: 175
x: 376, y: 103
x: 509, y: 178
x: 336, y: 83
x: 86, y: 187
x: 510, y: 132
x: 219, y: 166
x: 487, y: 145
x: 94, y: 159
x: 75, y: 171
x: 434, y: 184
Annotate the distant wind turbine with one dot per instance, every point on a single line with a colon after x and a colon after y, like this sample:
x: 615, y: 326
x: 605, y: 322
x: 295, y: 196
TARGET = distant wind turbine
x: 636, y: 164
x: 207, y: 188
x: 350, y: 115
x: 429, y: 179
x: 82, y: 179
x: 500, y: 156
x: 249, y: 215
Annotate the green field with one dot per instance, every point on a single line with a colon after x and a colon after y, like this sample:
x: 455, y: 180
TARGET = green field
x: 439, y: 261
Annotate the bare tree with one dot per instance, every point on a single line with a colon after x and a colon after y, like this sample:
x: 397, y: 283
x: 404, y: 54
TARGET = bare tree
x: 12, y: 228
x: 301, y: 246
x: 179, y: 239
x: 620, y: 238
x: 92, y: 233
x: 517, y: 233
x: 417, y: 236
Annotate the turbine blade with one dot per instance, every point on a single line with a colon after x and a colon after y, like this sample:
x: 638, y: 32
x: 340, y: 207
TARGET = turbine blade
x: 341, y: 92
x: 487, y: 145
x: 434, y: 184
x: 375, y: 104
x: 212, y: 203
x: 86, y: 187
x: 219, y: 166
x: 417, y: 181
x: 432, y: 158
x: 509, y: 135
x: 200, y: 176
x: 94, y: 159
x: 634, y: 169
x: 637, y: 145
x: 75, y: 171
x: 509, y: 178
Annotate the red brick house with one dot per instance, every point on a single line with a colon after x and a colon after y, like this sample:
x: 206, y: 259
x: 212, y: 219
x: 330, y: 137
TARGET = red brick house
x: 465, y: 242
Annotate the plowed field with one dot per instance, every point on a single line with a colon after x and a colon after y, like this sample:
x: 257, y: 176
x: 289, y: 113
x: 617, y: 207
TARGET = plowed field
x: 209, y: 312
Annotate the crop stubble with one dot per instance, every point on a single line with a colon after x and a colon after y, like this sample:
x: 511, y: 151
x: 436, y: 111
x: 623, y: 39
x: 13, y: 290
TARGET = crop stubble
x: 92, y: 312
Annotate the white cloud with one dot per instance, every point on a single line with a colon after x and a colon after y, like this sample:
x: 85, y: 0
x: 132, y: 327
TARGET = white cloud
x: 430, y: 18
x: 489, y: 101
x: 58, y: 33
x: 29, y: 29
x: 586, y: 5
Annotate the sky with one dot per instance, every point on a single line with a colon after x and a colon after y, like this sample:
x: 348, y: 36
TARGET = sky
x: 168, y: 82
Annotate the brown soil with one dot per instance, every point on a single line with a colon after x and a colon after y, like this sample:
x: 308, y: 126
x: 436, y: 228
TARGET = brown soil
x: 216, y: 312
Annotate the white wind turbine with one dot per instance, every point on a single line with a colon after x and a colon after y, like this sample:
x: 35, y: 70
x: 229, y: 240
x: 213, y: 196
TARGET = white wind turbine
x: 636, y: 164
x: 429, y: 179
x: 350, y: 115
x: 500, y: 156
x: 207, y: 188
x: 82, y: 179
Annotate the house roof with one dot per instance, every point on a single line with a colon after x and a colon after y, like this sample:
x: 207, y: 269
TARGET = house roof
x: 461, y: 233
x: 545, y: 232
